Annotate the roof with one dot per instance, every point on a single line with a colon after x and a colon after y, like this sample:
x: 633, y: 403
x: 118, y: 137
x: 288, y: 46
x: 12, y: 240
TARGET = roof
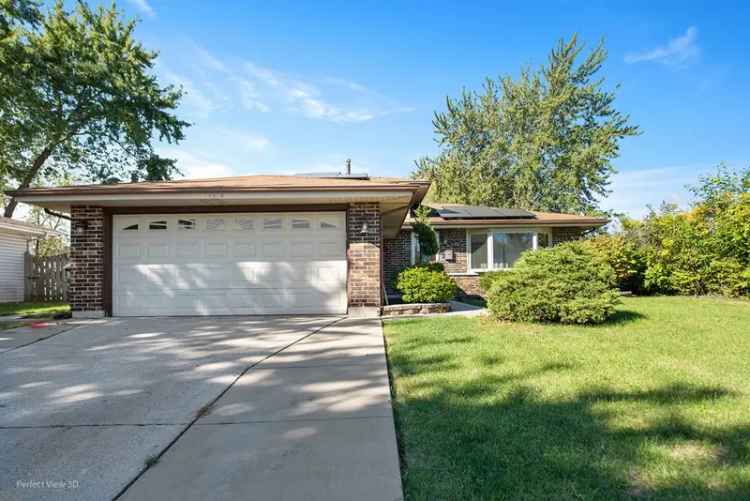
x: 229, y: 184
x: 17, y: 226
x: 460, y: 215
x: 395, y: 196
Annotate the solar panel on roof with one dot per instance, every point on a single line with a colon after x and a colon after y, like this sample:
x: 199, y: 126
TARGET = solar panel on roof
x: 477, y: 212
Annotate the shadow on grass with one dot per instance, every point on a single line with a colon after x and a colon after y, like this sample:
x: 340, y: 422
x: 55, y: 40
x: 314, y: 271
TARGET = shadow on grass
x: 474, y: 441
x: 624, y: 317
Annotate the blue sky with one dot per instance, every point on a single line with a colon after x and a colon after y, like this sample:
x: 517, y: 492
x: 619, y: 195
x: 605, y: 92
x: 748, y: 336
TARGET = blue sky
x: 277, y: 87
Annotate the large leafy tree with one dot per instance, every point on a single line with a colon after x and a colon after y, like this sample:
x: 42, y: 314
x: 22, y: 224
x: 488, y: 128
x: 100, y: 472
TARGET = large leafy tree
x: 544, y: 141
x: 77, y: 94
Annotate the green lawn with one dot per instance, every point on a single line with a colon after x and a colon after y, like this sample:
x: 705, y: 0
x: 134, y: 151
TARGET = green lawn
x: 33, y: 309
x: 655, y: 404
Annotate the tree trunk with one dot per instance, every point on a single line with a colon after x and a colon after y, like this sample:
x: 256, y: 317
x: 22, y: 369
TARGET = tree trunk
x: 29, y: 178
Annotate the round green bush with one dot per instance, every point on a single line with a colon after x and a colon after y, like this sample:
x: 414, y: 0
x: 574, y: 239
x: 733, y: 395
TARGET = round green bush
x: 566, y: 284
x: 425, y: 284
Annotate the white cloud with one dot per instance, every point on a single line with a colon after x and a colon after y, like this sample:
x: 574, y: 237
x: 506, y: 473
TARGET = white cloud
x: 313, y: 107
x: 195, y: 99
x: 208, y: 60
x: 143, y: 6
x: 196, y: 167
x: 678, y: 51
x: 634, y: 190
x: 249, y: 96
x: 247, y: 141
x: 305, y: 98
x: 349, y: 84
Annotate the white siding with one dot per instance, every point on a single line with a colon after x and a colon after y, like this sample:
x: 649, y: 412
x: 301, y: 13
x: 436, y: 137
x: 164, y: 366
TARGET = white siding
x: 12, y: 248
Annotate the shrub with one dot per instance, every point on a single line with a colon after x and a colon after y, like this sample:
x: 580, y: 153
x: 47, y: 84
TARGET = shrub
x: 426, y: 238
x: 566, y: 283
x: 425, y: 284
x: 433, y: 266
x: 627, y: 259
x: 486, y: 279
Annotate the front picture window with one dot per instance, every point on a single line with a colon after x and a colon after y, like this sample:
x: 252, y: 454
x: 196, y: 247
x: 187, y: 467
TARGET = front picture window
x: 507, y: 248
x: 479, y: 251
x: 499, y: 250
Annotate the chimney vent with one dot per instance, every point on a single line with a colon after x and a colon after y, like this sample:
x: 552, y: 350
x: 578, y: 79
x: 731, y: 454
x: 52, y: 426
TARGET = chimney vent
x: 348, y: 166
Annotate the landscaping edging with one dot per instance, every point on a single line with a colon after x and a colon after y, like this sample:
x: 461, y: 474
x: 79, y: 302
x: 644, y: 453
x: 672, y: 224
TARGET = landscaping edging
x: 396, y: 310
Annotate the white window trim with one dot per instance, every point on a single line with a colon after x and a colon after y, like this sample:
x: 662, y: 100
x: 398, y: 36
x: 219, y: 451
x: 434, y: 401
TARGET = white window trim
x: 491, y: 248
x: 413, y: 246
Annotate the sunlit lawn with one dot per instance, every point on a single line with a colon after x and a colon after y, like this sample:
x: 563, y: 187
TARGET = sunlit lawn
x: 655, y: 404
x: 33, y: 309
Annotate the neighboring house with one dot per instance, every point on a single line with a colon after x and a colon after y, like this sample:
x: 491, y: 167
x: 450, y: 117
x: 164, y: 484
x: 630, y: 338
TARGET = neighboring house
x: 15, y: 237
x: 261, y: 244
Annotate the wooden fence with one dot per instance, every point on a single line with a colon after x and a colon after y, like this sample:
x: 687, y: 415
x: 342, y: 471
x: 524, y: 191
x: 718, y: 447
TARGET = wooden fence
x: 45, y: 277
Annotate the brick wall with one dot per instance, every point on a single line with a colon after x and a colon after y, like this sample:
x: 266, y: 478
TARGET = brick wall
x: 455, y: 240
x: 364, y: 253
x: 560, y: 235
x: 468, y: 285
x: 396, y: 257
x: 86, y: 260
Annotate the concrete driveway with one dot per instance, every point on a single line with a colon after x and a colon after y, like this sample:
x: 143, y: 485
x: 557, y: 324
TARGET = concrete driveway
x: 197, y: 408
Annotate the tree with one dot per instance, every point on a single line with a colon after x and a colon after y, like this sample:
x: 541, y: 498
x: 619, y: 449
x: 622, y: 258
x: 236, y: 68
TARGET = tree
x: 76, y: 94
x: 542, y: 142
x: 426, y: 236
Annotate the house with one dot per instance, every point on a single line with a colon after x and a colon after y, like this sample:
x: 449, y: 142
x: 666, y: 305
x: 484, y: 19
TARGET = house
x: 15, y: 237
x: 270, y: 244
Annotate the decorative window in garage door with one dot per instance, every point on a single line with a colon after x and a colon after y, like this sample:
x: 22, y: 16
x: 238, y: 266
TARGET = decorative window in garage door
x: 215, y: 224
x: 272, y: 223
x: 328, y: 223
x: 301, y: 224
x: 245, y: 223
x: 186, y: 224
x: 131, y: 227
x: 159, y: 225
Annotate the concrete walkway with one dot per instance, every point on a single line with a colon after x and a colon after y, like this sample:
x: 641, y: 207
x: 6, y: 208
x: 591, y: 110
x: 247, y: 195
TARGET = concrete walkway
x: 200, y: 408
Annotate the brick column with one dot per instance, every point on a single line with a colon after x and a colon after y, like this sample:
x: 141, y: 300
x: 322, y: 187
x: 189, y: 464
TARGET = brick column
x: 85, y: 288
x: 396, y: 257
x: 364, y: 255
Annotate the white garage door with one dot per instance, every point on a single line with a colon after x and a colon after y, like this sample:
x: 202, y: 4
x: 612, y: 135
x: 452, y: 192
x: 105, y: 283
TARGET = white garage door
x: 229, y: 264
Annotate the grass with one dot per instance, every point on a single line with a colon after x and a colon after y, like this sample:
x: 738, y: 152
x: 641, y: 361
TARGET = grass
x: 655, y: 404
x: 33, y: 309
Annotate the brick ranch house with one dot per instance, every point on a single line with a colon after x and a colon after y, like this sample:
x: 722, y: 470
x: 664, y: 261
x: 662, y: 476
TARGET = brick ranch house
x: 272, y: 244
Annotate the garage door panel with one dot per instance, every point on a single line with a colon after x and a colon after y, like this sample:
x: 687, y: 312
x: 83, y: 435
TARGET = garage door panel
x: 221, y: 264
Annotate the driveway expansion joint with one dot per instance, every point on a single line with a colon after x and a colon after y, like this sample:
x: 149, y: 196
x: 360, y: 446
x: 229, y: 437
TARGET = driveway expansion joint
x: 210, y: 404
x: 86, y: 425
x: 294, y: 420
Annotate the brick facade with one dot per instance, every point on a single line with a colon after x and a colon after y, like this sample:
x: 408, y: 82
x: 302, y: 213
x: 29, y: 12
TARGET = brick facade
x: 560, y: 235
x: 468, y: 285
x: 85, y: 289
x: 396, y: 257
x: 454, y: 241
x: 364, y: 254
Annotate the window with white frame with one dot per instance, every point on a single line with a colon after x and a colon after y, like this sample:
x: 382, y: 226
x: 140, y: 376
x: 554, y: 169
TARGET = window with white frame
x: 494, y: 249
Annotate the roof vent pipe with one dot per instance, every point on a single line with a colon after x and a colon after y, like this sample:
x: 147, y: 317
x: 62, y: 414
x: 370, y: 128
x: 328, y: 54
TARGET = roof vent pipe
x: 348, y: 166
